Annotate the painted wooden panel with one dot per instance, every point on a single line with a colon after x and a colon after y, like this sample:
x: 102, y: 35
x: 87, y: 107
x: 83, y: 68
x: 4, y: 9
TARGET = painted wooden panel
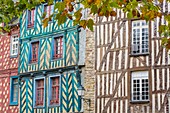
x: 26, y: 96
x: 45, y: 60
x: 24, y: 54
x: 69, y: 100
x: 38, y: 29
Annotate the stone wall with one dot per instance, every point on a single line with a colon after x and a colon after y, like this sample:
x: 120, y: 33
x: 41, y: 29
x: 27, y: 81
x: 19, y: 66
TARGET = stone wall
x: 89, y: 74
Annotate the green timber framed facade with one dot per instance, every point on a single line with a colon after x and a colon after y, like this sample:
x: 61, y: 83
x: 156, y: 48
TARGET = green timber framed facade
x: 49, y: 54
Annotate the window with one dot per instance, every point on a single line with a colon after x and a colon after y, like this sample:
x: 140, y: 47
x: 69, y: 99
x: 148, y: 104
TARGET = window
x: 140, y: 86
x: 140, y: 37
x: 39, y: 90
x: 54, y: 90
x: 58, y: 47
x: 14, y: 45
x: 34, y: 51
x: 48, y: 9
x: 14, y: 91
x: 31, y: 14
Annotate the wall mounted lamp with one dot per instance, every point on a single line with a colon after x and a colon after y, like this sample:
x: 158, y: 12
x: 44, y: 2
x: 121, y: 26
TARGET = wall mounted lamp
x: 80, y: 91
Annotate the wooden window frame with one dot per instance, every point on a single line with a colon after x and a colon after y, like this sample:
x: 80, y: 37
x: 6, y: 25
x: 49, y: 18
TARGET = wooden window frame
x: 34, y: 52
x: 13, y: 90
x: 139, y: 89
x: 54, y: 95
x: 41, y: 95
x: 14, y: 45
x: 140, y: 43
x: 31, y: 18
x: 58, y: 47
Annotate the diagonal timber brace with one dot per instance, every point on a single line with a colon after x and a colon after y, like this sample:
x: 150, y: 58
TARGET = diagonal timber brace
x: 110, y: 45
x: 114, y: 91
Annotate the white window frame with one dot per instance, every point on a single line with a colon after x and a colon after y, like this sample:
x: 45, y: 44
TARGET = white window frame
x: 139, y: 75
x: 49, y: 88
x: 12, y: 45
x: 35, y: 85
x: 137, y: 46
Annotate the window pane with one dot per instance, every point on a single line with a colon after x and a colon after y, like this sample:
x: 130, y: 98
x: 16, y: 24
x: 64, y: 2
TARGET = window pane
x: 40, y: 92
x: 58, y: 47
x: 145, y: 89
x: 140, y: 37
x: 35, y: 47
x: 31, y: 18
x: 15, y: 89
x: 14, y: 45
x: 140, y: 86
x: 54, y: 90
x: 48, y: 9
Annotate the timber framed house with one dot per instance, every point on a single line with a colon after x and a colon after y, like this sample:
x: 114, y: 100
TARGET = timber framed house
x: 132, y: 68
x: 50, y: 63
x: 9, y: 54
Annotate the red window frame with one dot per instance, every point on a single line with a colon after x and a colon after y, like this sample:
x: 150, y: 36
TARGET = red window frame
x: 39, y: 92
x: 48, y: 9
x: 31, y: 18
x: 55, y: 87
x: 34, y: 52
x: 58, y: 47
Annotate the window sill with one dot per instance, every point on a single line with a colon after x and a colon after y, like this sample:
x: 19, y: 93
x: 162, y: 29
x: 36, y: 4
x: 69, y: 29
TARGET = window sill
x: 30, y: 26
x: 13, y: 56
x: 40, y: 107
x: 139, y: 54
x: 139, y: 102
x: 55, y: 59
x: 13, y: 104
x: 50, y: 21
x: 33, y: 63
x: 53, y: 105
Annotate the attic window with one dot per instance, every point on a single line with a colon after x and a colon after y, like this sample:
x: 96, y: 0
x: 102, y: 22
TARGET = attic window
x: 31, y: 19
x: 48, y: 9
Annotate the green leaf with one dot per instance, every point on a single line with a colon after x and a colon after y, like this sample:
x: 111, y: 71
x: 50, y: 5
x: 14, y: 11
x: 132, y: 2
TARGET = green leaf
x: 167, y: 18
x: 83, y: 23
x: 78, y: 14
x: 44, y: 15
x: 60, y: 6
x: 164, y: 41
x: 163, y: 28
x: 62, y: 19
x: 130, y: 15
x: 45, y: 22
x: 90, y: 24
x: 114, y: 4
x: 94, y: 9
x: 57, y: 16
x: 75, y: 22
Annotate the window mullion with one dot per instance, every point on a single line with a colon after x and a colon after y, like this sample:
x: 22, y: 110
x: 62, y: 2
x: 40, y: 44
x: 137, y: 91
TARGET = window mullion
x: 140, y: 89
x: 141, y: 38
x: 132, y: 89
